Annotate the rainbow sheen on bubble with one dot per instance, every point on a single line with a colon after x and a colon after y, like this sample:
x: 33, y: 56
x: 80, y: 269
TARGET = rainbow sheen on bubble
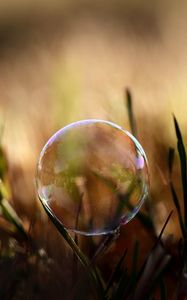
x: 92, y: 176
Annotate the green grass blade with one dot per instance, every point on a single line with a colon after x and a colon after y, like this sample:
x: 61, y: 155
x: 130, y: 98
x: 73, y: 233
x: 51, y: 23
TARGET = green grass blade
x: 145, y: 220
x: 7, y: 210
x: 171, y: 154
x: 129, y: 105
x: 173, y: 192
x: 82, y: 258
x: 3, y: 164
x: 163, y: 228
x: 11, y: 216
x: 9, y: 213
x: 178, y: 208
x: 183, y: 164
x: 80, y: 255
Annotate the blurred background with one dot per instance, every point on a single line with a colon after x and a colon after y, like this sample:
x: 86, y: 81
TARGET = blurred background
x: 61, y: 61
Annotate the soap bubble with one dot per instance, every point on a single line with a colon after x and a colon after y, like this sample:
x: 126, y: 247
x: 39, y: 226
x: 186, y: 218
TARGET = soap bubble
x: 92, y: 176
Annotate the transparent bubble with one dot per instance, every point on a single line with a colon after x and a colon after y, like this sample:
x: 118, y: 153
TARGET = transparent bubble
x: 92, y: 176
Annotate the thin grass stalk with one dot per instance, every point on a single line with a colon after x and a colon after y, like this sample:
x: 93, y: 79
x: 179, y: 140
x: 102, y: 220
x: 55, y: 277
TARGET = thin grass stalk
x: 81, y: 257
x: 183, y: 165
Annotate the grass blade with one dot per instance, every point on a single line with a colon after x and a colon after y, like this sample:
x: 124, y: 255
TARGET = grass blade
x: 105, y: 244
x: 173, y: 192
x: 82, y: 258
x: 75, y: 261
x: 153, y: 268
x: 9, y: 213
x: 163, y: 228
x: 130, y: 112
x: 116, y: 272
x: 183, y: 165
x: 11, y: 216
x: 121, y: 288
x: 158, y: 239
x: 145, y: 220
x: 3, y: 164
x: 171, y: 154
x: 80, y: 255
x: 178, y: 208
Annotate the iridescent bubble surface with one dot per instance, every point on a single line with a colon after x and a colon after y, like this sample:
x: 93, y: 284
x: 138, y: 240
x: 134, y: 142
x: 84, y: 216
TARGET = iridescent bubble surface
x: 93, y: 176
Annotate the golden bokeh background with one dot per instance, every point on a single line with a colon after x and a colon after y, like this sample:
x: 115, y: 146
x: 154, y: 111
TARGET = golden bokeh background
x: 61, y: 61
